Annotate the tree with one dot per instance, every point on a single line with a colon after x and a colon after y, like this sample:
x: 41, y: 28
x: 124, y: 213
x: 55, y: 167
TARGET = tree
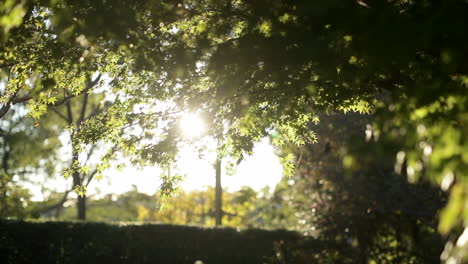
x: 123, y: 207
x: 27, y: 148
x: 369, y: 211
x: 218, y: 193
x: 269, y: 66
x: 45, y: 63
x: 197, y: 208
x: 74, y: 115
x: 185, y: 208
x: 279, y: 62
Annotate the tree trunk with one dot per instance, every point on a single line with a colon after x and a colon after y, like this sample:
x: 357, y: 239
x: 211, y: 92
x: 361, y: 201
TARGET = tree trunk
x: 5, y: 178
x: 77, y: 180
x: 81, y: 207
x: 218, y: 194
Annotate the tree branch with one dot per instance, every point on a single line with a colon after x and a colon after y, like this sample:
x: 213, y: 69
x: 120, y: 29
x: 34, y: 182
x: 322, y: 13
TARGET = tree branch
x: 13, y: 100
x: 91, y: 176
x: 57, y: 205
x: 95, y: 112
x: 90, y: 85
x: 93, y: 173
x: 90, y: 152
x: 83, y: 108
x: 6, y: 65
x: 6, y: 107
x: 61, y: 115
x: 69, y: 113
x: 21, y: 99
x: 99, y: 110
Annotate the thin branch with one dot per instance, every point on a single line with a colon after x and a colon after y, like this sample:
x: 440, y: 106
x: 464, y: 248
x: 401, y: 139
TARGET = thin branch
x: 83, y: 108
x: 6, y: 107
x: 6, y: 65
x: 59, y: 204
x: 91, y: 176
x: 90, y: 153
x: 61, y: 115
x: 69, y: 96
x: 94, y: 172
x: 69, y: 113
x: 21, y: 99
x: 13, y: 100
x: 97, y: 110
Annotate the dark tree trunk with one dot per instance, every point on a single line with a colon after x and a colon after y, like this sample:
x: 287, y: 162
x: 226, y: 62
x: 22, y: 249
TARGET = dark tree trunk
x: 218, y: 194
x: 5, y: 178
x: 77, y: 180
x: 81, y: 206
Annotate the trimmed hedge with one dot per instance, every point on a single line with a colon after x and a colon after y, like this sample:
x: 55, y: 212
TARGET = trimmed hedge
x: 67, y: 242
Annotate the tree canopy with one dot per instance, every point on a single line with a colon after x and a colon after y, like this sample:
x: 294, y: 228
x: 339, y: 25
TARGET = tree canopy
x: 253, y: 68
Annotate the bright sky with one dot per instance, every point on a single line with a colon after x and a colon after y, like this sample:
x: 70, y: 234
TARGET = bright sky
x: 260, y: 169
x: 257, y: 171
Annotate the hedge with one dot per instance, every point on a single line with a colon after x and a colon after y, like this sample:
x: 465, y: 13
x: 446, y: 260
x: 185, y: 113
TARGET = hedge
x: 77, y: 242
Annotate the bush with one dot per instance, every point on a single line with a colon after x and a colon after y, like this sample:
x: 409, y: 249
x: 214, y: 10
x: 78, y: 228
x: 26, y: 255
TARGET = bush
x: 68, y: 242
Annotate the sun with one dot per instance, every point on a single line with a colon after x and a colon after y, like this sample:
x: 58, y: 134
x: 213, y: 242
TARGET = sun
x: 192, y: 125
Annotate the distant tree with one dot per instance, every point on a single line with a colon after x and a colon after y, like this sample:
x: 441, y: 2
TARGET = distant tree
x: 185, y: 208
x: 114, y: 207
x: 74, y: 115
x: 27, y: 149
x: 273, y: 209
x: 371, y: 212
x: 257, y: 67
x: 197, y: 208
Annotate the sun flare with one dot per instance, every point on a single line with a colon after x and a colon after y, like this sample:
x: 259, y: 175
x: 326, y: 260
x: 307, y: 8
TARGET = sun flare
x: 192, y: 125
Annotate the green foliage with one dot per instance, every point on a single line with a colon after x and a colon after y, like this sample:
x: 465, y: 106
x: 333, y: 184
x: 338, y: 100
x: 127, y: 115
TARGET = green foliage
x: 241, y: 208
x: 377, y: 213
x: 67, y: 242
x: 114, y: 208
x: 13, y: 198
x: 288, y: 164
x: 11, y: 15
x: 252, y: 68
x: 197, y: 208
x: 26, y: 149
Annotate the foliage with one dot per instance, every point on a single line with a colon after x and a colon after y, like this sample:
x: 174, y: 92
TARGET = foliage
x: 68, y: 242
x: 26, y: 149
x: 254, y: 68
x: 242, y: 208
x: 14, y: 200
x: 197, y: 208
x: 113, y: 208
x: 377, y: 213
x: 183, y: 208
x: 273, y: 209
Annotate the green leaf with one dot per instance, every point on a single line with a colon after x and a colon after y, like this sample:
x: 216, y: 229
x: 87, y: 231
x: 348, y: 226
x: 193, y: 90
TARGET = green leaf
x: 451, y: 214
x: 81, y: 190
